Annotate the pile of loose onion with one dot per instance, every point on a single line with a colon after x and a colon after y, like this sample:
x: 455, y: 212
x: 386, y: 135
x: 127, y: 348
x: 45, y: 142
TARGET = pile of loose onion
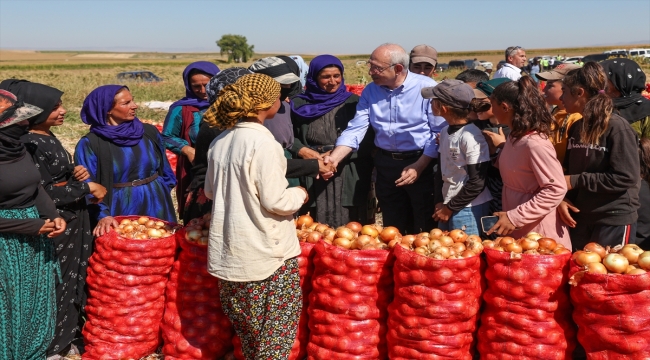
x: 532, y: 244
x: 620, y: 260
x: 441, y: 245
x: 143, y: 229
x: 352, y: 236
x: 197, y: 230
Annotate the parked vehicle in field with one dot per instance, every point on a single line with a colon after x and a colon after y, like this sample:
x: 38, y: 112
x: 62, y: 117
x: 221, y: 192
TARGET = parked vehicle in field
x: 601, y: 57
x: 485, y: 64
x: 458, y: 64
x: 644, y: 53
x: 572, y: 59
x: 442, y: 67
x: 616, y: 51
x: 140, y: 75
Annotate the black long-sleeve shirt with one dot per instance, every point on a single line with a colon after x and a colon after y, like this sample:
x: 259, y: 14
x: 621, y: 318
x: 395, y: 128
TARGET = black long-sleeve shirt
x: 21, y: 189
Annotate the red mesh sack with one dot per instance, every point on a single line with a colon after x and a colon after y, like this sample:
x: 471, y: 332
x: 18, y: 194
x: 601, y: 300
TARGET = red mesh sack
x: 194, y: 325
x: 527, y: 312
x: 306, y: 264
x: 126, y: 284
x: 613, y: 315
x: 356, y: 89
x: 348, y: 305
x: 434, y: 313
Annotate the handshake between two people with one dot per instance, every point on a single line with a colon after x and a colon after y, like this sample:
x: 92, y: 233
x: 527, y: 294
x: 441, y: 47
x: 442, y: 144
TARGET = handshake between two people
x: 326, y: 165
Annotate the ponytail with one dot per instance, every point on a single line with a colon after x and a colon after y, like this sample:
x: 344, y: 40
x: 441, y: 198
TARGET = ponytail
x: 599, y: 106
x: 530, y: 111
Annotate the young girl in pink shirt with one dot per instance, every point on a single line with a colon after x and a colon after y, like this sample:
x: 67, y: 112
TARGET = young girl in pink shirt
x: 533, y: 181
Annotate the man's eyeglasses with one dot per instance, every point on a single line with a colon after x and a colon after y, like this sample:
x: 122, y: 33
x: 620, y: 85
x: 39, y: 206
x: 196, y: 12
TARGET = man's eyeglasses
x: 376, y: 69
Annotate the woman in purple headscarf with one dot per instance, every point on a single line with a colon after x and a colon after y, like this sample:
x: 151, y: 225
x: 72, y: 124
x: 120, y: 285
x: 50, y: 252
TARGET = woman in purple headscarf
x: 319, y: 116
x: 182, y: 123
x: 125, y: 156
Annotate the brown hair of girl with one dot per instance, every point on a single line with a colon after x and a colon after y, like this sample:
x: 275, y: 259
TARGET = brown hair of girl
x: 644, y: 157
x: 530, y: 111
x: 599, y: 106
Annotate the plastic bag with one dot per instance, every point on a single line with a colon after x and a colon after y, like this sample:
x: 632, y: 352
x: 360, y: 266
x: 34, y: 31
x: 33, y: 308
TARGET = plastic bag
x: 434, y: 313
x: 613, y: 315
x: 348, y: 305
x: 194, y: 325
x: 527, y: 312
x: 126, y: 284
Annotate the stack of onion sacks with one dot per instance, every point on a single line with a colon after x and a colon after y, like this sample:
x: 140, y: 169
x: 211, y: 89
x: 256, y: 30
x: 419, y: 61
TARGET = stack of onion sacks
x: 143, y: 228
x: 532, y: 244
x: 527, y: 311
x: 352, y: 236
x: 441, y: 245
x: 611, y: 299
x: 629, y: 259
x: 126, y: 285
x: 194, y: 325
x: 435, y: 310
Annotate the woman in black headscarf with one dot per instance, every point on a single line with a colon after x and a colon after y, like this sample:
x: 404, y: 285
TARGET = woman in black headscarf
x: 626, y: 82
x: 27, y: 265
x: 64, y: 183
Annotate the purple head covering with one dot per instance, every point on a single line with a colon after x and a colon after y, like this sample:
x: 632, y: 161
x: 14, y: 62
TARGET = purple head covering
x: 190, y: 99
x: 94, y: 112
x: 320, y: 102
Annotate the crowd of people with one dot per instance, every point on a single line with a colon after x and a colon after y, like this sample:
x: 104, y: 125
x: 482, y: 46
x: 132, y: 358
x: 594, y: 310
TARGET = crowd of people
x: 259, y: 145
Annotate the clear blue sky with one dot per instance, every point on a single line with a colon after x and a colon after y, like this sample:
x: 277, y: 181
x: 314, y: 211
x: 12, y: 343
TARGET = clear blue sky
x: 333, y: 26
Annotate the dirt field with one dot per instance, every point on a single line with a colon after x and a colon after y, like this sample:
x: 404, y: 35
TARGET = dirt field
x: 77, y: 73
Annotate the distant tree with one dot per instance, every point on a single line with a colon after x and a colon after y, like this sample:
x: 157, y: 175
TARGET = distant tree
x: 236, y: 46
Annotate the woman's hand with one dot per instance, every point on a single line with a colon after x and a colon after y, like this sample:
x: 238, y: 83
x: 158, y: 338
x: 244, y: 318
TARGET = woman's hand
x: 494, y: 140
x: 59, y: 228
x: 567, y: 179
x: 503, y: 226
x: 306, y: 194
x: 565, y: 215
x: 307, y: 153
x: 47, y: 228
x: 97, y: 191
x: 104, y: 226
x: 189, y: 152
x: 441, y: 213
x: 80, y: 173
x: 325, y: 171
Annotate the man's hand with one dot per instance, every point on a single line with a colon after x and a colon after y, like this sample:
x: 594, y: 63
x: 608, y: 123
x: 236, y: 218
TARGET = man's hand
x: 326, y: 171
x: 97, y: 191
x: 565, y: 215
x: 494, y: 140
x: 335, y: 156
x: 80, y: 173
x: 503, y: 226
x: 411, y: 173
x: 307, y: 153
x: 189, y: 152
x: 441, y: 213
x: 59, y: 228
x: 104, y: 226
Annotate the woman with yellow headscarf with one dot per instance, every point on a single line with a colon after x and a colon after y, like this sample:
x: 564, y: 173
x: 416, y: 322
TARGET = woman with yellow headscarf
x: 252, y: 244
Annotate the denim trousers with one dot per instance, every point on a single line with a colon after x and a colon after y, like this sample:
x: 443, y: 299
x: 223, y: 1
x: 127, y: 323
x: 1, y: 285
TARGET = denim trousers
x: 467, y: 219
